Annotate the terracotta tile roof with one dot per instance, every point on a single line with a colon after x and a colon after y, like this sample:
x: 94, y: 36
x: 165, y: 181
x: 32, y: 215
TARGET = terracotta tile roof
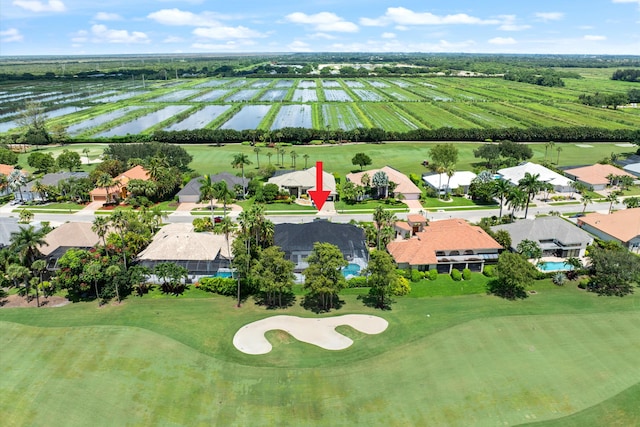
x: 444, y: 235
x: 596, y: 174
x: 6, y: 169
x: 416, y: 219
x: 624, y: 225
x: 403, y: 226
x: 405, y: 185
x: 136, y: 172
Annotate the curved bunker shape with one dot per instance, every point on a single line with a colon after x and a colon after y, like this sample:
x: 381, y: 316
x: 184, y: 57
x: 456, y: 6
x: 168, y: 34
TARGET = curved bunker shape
x: 321, y: 332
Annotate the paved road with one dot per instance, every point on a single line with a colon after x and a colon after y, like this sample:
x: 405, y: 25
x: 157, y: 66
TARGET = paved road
x: 469, y: 215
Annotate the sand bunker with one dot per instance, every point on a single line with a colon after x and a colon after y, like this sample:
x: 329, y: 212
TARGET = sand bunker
x: 584, y: 145
x: 250, y: 338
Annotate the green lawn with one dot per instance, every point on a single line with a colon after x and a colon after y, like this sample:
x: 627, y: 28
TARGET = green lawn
x: 456, y: 361
x: 370, y: 206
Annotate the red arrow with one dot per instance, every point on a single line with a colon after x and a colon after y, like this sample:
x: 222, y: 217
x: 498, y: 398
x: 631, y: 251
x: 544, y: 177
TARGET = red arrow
x: 319, y: 196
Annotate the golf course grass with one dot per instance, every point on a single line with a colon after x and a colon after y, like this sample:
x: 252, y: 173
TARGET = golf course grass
x: 562, y: 354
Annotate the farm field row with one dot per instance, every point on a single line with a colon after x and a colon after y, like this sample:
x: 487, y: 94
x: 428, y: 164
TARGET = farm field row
x: 390, y: 103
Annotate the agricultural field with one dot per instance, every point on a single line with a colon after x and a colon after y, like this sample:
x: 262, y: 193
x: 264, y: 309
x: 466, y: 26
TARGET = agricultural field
x: 200, y: 118
x: 170, y: 360
x: 249, y: 117
x: 340, y: 117
x: 431, y: 103
x: 293, y: 116
x: 386, y: 117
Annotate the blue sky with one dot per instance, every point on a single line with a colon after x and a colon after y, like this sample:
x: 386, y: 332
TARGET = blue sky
x: 65, y: 27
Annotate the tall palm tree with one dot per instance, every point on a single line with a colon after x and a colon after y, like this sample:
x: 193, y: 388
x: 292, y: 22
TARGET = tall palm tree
x: 257, y: 151
x: 282, y: 152
x: 112, y: 271
x: 516, y: 199
x: 586, y: 199
x: 559, y: 149
x: 222, y: 192
x: 293, y: 155
x: 16, y: 181
x: 26, y: 242
x: 500, y: 190
x: 450, y: 171
x: 227, y: 227
x: 383, y: 218
x: 104, y: 180
x: 120, y: 220
x: 269, y: 154
x: 19, y: 273
x: 100, y: 226
x: 306, y: 159
x: 38, y: 267
x: 207, y: 192
x: 613, y: 198
x: 239, y: 160
x: 531, y: 184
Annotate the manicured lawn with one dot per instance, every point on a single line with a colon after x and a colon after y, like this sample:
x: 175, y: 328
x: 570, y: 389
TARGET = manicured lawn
x: 53, y: 207
x: 455, y: 361
x: 370, y: 205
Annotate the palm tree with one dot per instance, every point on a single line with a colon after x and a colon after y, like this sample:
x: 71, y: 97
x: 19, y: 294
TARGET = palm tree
x: 207, y: 192
x: 548, y: 145
x: 19, y: 273
x: 282, y: 152
x: 440, y: 170
x: 516, y: 199
x: 100, y: 226
x: 120, y: 220
x: 222, y: 192
x: 306, y: 158
x: 450, y: 171
x: 38, y: 267
x: 586, y: 199
x: 239, y: 160
x: 104, y: 180
x: 257, y: 151
x: 613, y: 198
x: 293, y: 155
x: 531, y: 185
x: 500, y: 189
x: 269, y: 154
x: 559, y: 149
x: 227, y: 227
x: 16, y: 181
x: 26, y: 242
x: 93, y: 271
x: 112, y: 271
x: 85, y: 151
x: 383, y: 218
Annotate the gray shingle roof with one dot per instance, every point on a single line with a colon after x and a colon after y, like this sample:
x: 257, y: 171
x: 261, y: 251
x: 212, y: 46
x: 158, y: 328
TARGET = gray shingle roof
x: 301, y: 237
x: 545, y: 228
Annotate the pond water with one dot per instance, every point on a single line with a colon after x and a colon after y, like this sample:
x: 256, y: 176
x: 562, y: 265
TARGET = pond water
x: 144, y: 122
x: 249, y: 117
x: 99, y: 120
x: 305, y: 95
x: 213, y: 83
x: 293, y: 116
x: 242, y: 95
x: 200, y: 118
x: 178, y: 95
x: 273, y: 95
x: 212, y: 95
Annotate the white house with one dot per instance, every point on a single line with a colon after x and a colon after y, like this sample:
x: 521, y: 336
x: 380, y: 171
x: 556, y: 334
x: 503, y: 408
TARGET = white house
x: 561, y: 184
x: 300, y: 182
x: 460, y: 179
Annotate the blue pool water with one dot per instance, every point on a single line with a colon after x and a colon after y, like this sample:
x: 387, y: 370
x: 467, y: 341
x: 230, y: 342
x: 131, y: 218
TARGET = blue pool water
x: 225, y: 274
x: 554, y: 266
x: 351, y: 270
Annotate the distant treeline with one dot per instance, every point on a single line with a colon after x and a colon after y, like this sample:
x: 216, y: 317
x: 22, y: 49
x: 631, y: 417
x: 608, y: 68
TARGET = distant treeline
x: 376, y: 135
x: 610, y: 100
x: 546, y: 78
x: 627, y: 75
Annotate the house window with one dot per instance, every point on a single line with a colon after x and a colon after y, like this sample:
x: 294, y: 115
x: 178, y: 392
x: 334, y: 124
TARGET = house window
x: 439, y: 253
x: 468, y: 252
x: 452, y: 253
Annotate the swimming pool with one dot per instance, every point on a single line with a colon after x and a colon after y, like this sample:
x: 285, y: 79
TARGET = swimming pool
x: 351, y: 270
x: 554, y: 266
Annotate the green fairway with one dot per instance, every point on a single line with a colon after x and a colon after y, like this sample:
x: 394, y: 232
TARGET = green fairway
x: 459, y: 360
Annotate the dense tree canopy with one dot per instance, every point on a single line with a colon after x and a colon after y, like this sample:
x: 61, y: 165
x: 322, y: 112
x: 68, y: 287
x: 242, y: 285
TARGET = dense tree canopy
x: 514, y: 274
x: 323, y: 277
x: 613, y: 270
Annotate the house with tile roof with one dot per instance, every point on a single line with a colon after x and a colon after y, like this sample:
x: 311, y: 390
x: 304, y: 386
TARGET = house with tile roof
x: 301, y: 182
x: 297, y: 240
x: 50, y: 180
x: 70, y: 235
x: 414, y: 224
x: 622, y: 226
x: 190, y: 193
x: 201, y: 253
x: 442, y: 183
x: 595, y: 177
x: 404, y: 185
x: 556, y: 237
x: 561, y: 184
x: 445, y: 245
x: 119, y: 191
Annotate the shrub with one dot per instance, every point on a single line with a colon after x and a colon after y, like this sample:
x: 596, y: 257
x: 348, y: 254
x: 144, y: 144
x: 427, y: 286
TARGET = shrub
x: 584, y: 283
x: 456, y: 275
x: 558, y: 278
x: 488, y: 271
x: 466, y: 274
x: 357, y: 282
x: 403, y: 273
x: 416, y: 275
x: 433, y: 274
x: 202, y: 224
x: 219, y: 285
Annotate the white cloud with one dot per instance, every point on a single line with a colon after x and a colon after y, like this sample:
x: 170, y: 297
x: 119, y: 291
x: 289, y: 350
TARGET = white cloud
x: 299, y: 46
x: 39, y: 6
x: 549, y: 16
x: 180, y: 17
x: 323, y: 21
x: 509, y: 24
x: 102, y: 34
x: 627, y: 1
x: 388, y: 35
x: 404, y: 16
x: 11, y: 35
x: 106, y: 16
x: 324, y: 36
x: 224, y: 33
x: 230, y: 45
x: 591, y: 37
x: 173, y: 39
x: 502, y: 40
